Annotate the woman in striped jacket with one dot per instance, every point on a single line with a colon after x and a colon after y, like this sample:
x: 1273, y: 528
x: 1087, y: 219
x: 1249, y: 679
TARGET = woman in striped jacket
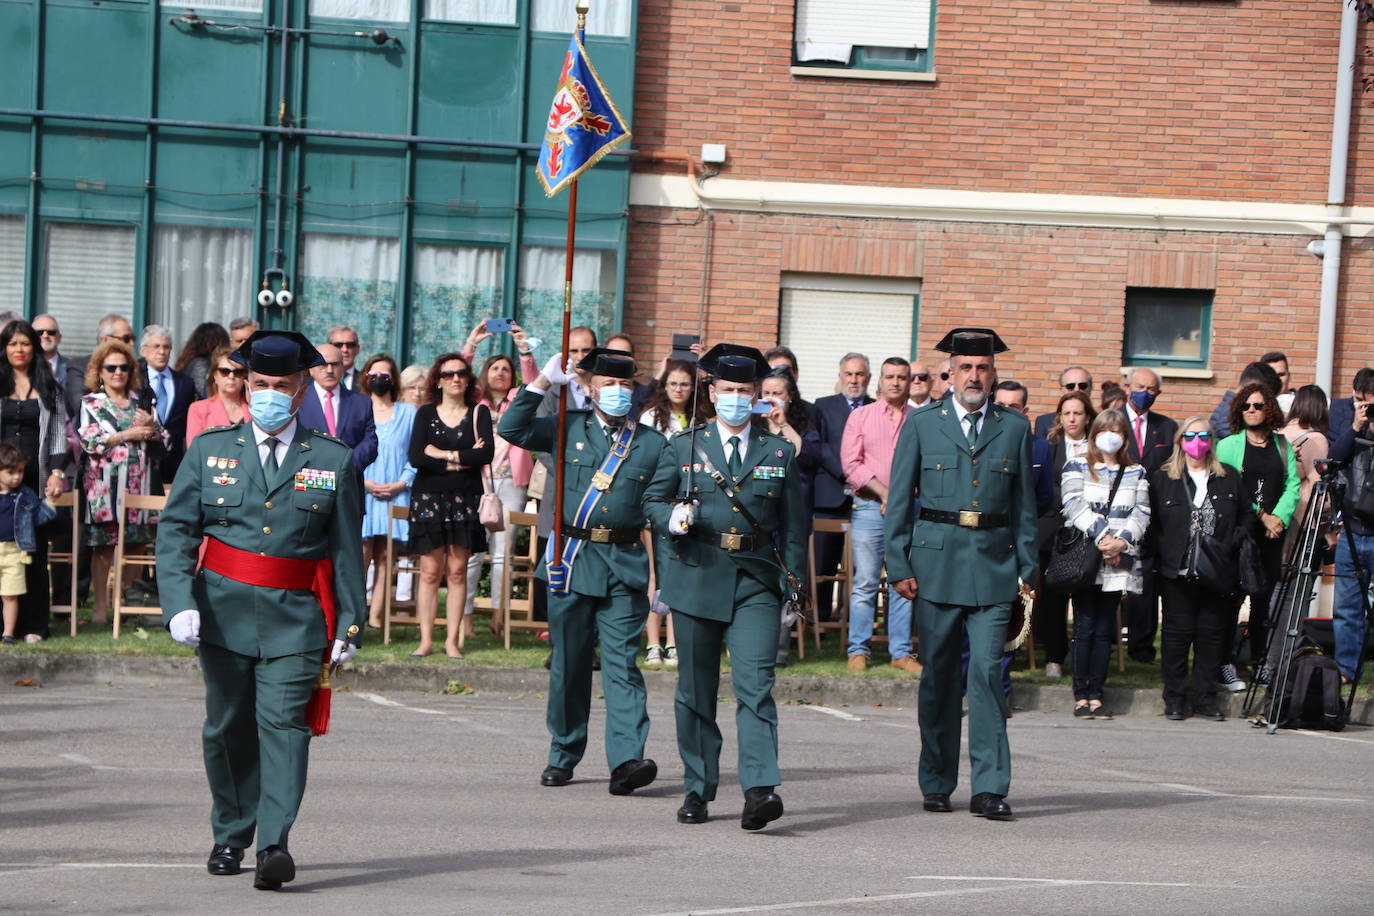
x: 1118, y: 530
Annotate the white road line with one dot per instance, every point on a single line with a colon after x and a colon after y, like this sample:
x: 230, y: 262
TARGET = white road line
x: 837, y: 713
x: 42, y: 866
x: 1212, y: 793
x: 1330, y: 737
x: 457, y: 720
x: 842, y: 901
x: 1059, y: 882
x: 84, y: 761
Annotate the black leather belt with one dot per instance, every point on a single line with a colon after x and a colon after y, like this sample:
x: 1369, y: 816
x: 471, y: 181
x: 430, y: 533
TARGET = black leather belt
x: 966, y: 518
x: 721, y: 539
x: 603, y: 535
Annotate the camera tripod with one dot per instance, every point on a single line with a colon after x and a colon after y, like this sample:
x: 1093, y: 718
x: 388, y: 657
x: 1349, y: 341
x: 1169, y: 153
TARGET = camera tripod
x: 1296, y: 589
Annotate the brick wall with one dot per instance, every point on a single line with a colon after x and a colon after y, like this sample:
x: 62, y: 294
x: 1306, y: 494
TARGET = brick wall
x: 1183, y: 99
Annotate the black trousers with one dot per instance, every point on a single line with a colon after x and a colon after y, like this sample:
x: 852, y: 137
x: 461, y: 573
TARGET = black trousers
x: 1193, y: 618
x: 1142, y: 615
x: 1050, y: 624
x: 1271, y: 558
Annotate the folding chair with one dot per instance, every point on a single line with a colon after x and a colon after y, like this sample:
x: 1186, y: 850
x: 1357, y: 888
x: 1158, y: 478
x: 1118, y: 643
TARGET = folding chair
x: 132, y: 502
x: 842, y: 580
x: 67, y: 500
x: 520, y: 567
x: 393, y: 610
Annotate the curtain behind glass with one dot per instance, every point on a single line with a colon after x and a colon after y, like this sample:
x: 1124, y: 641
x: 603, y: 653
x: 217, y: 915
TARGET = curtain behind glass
x: 455, y: 287
x: 11, y: 263
x: 247, y: 6
x: 607, y: 17
x: 499, y: 12
x: 370, y: 10
x: 541, y: 293
x: 88, y: 273
x: 349, y: 280
x: 199, y: 274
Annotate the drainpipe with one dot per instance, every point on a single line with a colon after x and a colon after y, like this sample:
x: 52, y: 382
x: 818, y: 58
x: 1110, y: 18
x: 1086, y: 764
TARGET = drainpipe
x: 1335, y: 199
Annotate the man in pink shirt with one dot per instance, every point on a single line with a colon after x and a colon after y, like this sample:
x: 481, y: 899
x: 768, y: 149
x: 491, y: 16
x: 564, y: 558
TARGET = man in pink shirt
x: 870, y: 439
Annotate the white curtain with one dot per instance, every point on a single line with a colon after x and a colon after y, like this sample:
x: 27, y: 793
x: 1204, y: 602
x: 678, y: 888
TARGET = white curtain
x: 199, y: 274
x: 541, y: 291
x: 369, y: 10
x: 11, y: 263
x: 499, y: 12
x: 351, y: 280
x: 88, y: 272
x: 247, y: 6
x: 829, y: 29
x: 607, y: 17
x: 455, y: 287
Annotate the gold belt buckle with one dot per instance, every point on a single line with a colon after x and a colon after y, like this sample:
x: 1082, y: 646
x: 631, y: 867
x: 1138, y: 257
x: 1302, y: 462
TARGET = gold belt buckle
x: 601, y: 480
x: 968, y: 518
x: 601, y: 535
x: 731, y: 541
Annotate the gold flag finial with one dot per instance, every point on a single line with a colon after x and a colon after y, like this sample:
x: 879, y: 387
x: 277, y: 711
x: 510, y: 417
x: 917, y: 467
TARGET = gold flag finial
x: 583, y: 7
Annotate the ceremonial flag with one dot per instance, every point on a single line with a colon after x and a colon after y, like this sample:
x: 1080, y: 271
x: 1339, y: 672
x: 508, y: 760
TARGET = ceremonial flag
x: 583, y: 123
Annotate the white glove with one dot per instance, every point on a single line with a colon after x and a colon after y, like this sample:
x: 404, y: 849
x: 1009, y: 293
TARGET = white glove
x: 185, y: 628
x: 343, y: 651
x: 554, y: 372
x: 681, y: 519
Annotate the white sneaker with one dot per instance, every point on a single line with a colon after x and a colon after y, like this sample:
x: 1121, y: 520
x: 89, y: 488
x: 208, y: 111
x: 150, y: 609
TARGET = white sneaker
x: 654, y: 657
x: 1054, y: 669
x: 1229, y: 680
x: 670, y: 657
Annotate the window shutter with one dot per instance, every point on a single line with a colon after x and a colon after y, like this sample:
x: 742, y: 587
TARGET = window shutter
x: 821, y: 326
x: 88, y: 273
x: 872, y: 23
x: 12, y: 261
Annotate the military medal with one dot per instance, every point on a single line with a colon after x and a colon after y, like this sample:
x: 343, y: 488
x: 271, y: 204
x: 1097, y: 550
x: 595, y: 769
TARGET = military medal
x: 224, y: 480
x: 221, y: 463
x: 578, y: 446
x: 210, y: 462
x: 233, y: 463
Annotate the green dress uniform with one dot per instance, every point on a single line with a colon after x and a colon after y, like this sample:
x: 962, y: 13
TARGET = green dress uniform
x: 730, y: 595
x: 608, y: 585
x: 261, y: 648
x: 966, y: 576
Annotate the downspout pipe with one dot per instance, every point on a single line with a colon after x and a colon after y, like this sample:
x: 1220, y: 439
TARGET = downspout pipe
x: 1335, y: 199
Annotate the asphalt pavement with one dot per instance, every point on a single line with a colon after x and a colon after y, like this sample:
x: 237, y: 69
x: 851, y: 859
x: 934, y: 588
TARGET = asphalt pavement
x: 428, y: 803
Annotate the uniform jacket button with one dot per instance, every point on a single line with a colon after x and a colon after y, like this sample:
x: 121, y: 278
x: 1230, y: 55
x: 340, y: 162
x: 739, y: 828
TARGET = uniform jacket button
x: 220, y: 501
x: 266, y: 529
x: 267, y: 505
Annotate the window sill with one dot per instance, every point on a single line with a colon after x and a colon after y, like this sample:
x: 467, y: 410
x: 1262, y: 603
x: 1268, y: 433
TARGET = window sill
x: 849, y: 73
x: 1206, y: 375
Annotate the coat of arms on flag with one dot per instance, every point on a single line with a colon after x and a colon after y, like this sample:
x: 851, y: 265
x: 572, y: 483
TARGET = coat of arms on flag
x: 583, y: 123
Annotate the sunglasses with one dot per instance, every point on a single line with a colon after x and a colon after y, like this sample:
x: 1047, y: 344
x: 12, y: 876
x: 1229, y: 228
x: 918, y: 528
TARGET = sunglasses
x: 1078, y: 386
x: 236, y: 373
x: 1204, y: 436
x: 922, y: 376
x: 345, y: 344
x: 45, y: 332
x: 451, y: 373
x: 944, y: 376
x: 116, y: 367
x: 1254, y: 405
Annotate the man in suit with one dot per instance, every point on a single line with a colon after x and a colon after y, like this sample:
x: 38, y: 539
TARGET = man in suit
x: 173, y: 393
x: 280, y: 593
x: 599, y: 582
x: 723, y: 496
x: 331, y: 408
x: 834, y: 497
x: 918, y: 395
x: 69, y: 373
x: 1343, y: 409
x: 1150, y: 438
x: 963, y: 561
x: 345, y: 340
x: 240, y: 329
x: 1074, y: 378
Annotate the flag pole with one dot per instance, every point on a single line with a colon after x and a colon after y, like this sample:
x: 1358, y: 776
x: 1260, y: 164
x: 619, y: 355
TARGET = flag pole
x: 583, y: 7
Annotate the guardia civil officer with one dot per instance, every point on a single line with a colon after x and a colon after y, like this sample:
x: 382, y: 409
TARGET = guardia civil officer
x: 599, y: 583
x: 724, y: 497
x: 963, y: 562
x: 278, y: 594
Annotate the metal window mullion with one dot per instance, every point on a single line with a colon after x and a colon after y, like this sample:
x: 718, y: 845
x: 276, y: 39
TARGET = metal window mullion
x: 33, y: 260
x: 405, y: 299
x: 144, y: 236
x: 510, y: 282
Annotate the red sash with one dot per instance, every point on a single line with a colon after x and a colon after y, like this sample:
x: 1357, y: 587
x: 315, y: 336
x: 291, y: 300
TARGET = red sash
x: 284, y: 572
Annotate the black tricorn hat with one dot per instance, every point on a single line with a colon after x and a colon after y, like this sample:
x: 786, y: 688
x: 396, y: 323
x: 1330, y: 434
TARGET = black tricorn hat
x: 972, y: 342
x: 277, y: 353
x: 733, y: 363
x: 608, y: 362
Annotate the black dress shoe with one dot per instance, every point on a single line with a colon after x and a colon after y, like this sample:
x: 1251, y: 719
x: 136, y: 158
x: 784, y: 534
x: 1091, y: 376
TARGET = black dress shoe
x: 631, y: 775
x: 275, y: 868
x: 693, y: 810
x: 937, y: 802
x: 224, y: 860
x: 1175, y: 712
x: 1210, y: 712
x: 761, y: 805
x: 992, y: 807
x: 555, y: 776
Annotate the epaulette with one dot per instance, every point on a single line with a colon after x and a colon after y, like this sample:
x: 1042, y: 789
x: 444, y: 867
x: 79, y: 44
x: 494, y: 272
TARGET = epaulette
x: 322, y: 435
x: 688, y: 431
x: 220, y: 429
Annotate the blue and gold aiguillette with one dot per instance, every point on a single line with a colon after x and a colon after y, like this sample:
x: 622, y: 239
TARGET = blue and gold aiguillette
x: 314, y: 479
x: 769, y: 472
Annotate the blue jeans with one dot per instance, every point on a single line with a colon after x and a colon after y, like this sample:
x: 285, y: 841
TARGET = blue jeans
x: 1348, y: 613
x: 867, y: 537
x: 1094, y: 631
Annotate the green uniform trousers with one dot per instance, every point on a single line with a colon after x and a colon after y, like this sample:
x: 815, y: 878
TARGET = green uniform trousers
x: 574, y: 623
x: 940, y: 699
x: 752, y: 638
x: 256, y: 742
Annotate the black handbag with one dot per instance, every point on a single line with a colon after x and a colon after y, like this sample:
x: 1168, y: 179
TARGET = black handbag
x: 1250, y: 574
x: 1074, y: 557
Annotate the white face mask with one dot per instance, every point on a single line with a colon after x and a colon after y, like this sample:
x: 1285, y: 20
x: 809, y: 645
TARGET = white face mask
x: 1109, y: 443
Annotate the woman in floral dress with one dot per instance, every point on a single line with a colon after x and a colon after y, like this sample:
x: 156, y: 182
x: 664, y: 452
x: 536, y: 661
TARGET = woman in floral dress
x: 119, y: 440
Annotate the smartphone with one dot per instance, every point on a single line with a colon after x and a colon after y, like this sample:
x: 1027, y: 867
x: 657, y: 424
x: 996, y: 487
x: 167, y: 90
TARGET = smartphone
x: 146, y: 401
x: 500, y: 325
x: 762, y: 407
x: 682, y: 347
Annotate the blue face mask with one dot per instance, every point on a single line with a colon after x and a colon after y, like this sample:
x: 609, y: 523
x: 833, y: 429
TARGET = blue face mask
x: 1142, y: 400
x: 271, y: 409
x: 733, y: 407
x: 613, y: 400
